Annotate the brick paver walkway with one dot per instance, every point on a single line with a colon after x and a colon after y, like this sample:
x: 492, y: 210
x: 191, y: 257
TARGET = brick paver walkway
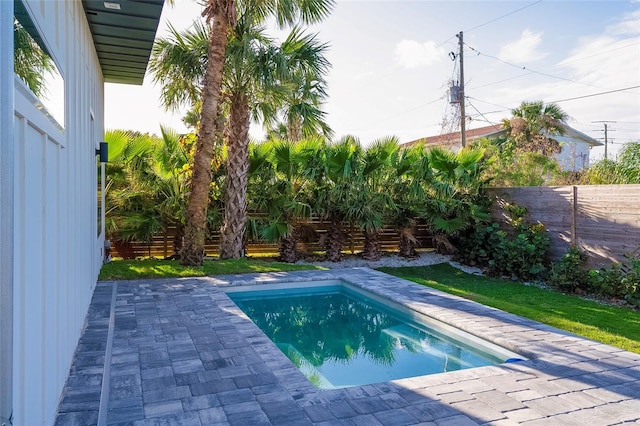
x: 179, y: 352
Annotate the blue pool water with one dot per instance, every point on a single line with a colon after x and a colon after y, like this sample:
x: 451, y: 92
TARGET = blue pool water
x: 339, y: 337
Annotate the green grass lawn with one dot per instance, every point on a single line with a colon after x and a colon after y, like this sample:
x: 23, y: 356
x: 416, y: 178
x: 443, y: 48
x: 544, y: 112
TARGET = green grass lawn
x: 151, y: 268
x: 607, y: 324
x: 611, y: 325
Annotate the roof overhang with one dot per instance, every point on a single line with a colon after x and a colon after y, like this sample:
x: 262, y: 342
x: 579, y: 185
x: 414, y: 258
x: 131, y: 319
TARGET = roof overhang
x: 576, y: 134
x: 123, y: 32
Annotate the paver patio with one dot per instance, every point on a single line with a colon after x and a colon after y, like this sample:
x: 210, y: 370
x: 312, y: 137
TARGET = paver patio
x: 180, y: 352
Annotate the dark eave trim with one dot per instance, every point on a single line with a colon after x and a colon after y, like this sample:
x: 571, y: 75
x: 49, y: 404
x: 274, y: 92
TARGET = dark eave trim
x: 123, y: 38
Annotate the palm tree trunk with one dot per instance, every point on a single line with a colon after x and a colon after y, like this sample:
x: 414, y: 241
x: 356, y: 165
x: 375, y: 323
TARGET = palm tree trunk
x: 371, y: 249
x: 235, y: 209
x: 287, y: 249
x: 408, y: 243
x: 294, y: 129
x: 196, y: 216
x: 177, y: 240
x: 334, y: 241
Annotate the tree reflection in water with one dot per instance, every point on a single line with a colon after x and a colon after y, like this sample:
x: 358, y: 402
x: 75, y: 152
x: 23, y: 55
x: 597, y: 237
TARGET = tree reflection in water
x: 331, y: 328
x: 339, y: 340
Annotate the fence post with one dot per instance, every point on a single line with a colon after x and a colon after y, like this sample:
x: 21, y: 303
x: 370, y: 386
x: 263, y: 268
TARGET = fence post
x: 165, y: 245
x: 574, y: 214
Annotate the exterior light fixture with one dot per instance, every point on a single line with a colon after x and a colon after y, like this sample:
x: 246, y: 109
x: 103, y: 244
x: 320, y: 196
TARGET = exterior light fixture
x: 103, y: 152
x: 111, y: 5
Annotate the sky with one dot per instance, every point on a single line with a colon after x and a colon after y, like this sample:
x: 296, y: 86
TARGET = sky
x: 392, y: 67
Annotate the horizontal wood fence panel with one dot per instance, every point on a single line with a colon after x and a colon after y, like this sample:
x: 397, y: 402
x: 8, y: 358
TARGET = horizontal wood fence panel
x: 603, y: 220
x: 162, y: 244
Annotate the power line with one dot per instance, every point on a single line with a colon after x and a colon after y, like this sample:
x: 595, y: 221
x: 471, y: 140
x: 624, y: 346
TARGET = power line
x: 524, y: 68
x: 410, y: 110
x: 596, y: 94
x: 500, y: 17
x: 504, y: 108
x: 483, y: 116
x: 595, y: 54
x: 550, y: 68
x: 394, y: 68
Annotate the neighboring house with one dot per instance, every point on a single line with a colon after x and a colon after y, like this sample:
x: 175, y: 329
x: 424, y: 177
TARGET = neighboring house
x: 51, y: 186
x: 576, y: 147
x: 453, y: 141
x: 574, y: 155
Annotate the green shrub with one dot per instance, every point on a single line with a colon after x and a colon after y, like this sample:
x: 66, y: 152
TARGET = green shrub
x: 622, y: 280
x: 520, y: 255
x: 473, y: 246
x: 570, y: 272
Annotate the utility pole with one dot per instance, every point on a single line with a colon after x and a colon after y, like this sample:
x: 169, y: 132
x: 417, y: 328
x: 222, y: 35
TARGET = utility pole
x: 606, y: 132
x: 463, y: 117
x: 605, y: 141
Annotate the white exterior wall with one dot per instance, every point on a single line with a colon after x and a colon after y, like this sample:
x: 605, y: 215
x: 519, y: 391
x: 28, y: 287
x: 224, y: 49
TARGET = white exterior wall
x: 57, y: 252
x: 574, y: 155
x: 6, y: 208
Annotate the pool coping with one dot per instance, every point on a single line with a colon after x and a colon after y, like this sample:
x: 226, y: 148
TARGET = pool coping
x: 171, y: 333
x: 534, y: 340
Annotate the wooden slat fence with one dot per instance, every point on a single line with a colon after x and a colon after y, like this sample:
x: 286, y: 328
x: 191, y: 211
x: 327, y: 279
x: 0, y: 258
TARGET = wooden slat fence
x: 162, y: 245
x: 603, y: 220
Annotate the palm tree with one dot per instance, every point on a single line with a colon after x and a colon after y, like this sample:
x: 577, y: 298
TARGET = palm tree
x: 178, y: 64
x: 372, y: 200
x: 533, y: 126
x: 334, y: 190
x: 454, y: 200
x: 223, y: 14
x: 220, y: 14
x: 146, y: 189
x: 252, y: 72
x: 407, y: 188
x: 258, y: 73
x: 282, y: 189
x: 306, y: 87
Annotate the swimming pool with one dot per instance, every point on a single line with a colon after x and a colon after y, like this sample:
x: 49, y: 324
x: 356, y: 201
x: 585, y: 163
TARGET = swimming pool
x: 341, y: 336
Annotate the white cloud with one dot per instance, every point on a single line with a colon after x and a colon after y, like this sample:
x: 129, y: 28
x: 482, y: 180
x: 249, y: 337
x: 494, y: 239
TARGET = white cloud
x: 525, y: 49
x: 413, y: 54
x: 610, y: 60
x: 628, y: 26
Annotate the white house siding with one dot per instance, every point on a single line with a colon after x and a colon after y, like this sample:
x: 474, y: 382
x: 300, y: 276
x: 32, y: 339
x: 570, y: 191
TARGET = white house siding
x: 56, y: 252
x: 6, y: 206
x: 574, y: 155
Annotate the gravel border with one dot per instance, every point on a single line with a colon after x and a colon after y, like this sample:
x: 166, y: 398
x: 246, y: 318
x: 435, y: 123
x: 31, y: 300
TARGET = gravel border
x: 394, y: 261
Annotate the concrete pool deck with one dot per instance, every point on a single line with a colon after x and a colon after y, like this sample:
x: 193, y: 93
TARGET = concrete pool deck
x: 180, y: 352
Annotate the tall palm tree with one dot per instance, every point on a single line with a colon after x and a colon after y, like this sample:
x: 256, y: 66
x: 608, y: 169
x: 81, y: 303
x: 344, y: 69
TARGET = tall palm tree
x: 253, y: 71
x: 306, y: 87
x: 257, y: 75
x: 533, y: 126
x: 222, y: 15
x: 178, y: 63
